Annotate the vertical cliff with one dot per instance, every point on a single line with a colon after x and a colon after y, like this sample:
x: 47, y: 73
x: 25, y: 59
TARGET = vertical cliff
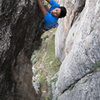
x: 19, y: 20
x: 77, y: 44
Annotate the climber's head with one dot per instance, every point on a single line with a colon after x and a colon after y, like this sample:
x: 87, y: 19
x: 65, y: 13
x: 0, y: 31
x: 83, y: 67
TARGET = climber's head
x: 59, y: 12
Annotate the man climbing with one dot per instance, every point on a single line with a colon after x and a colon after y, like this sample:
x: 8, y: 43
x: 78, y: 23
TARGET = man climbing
x: 52, y: 15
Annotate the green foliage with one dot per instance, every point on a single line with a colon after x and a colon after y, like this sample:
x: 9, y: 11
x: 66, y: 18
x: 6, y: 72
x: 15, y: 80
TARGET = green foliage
x: 71, y: 87
x: 86, y: 68
x: 46, y: 98
x: 92, y: 28
x: 50, y: 89
x: 50, y: 57
x: 56, y: 98
x: 35, y: 73
x: 86, y: 52
x: 45, y: 37
x: 46, y: 3
x: 79, y: 19
x: 85, y: 80
x: 73, y: 34
x: 35, y: 59
x: 46, y: 64
x: 97, y: 65
x: 43, y: 80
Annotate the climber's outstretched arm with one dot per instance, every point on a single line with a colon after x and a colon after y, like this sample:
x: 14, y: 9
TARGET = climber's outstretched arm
x: 44, y: 11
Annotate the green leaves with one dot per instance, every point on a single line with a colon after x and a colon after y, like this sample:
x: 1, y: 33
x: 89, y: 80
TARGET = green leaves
x: 92, y: 28
x: 97, y: 65
x: 71, y: 87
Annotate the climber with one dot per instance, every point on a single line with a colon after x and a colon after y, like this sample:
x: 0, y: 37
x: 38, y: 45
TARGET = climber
x: 52, y: 15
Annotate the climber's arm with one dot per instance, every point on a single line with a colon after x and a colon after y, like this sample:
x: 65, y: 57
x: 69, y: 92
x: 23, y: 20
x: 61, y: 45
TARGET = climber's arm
x: 44, y: 11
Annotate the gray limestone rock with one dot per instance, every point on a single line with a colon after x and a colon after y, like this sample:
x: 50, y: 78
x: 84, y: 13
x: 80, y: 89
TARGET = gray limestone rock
x: 81, y: 48
x: 74, y: 7
x: 87, y: 88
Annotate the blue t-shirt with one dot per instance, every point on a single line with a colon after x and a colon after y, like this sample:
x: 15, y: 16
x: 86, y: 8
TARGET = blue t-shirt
x: 50, y: 20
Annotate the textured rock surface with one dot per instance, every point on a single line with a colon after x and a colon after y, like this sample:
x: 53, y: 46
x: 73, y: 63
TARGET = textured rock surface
x: 87, y: 88
x: 74, y: 7
x: 18, y: 22
x: 78, y: 47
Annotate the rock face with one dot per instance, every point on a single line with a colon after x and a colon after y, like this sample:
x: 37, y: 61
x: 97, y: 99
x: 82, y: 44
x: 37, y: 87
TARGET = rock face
x: 86, y: 89
x: 73, y: 10
x: 19, y: 20
x: 78, y: 47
